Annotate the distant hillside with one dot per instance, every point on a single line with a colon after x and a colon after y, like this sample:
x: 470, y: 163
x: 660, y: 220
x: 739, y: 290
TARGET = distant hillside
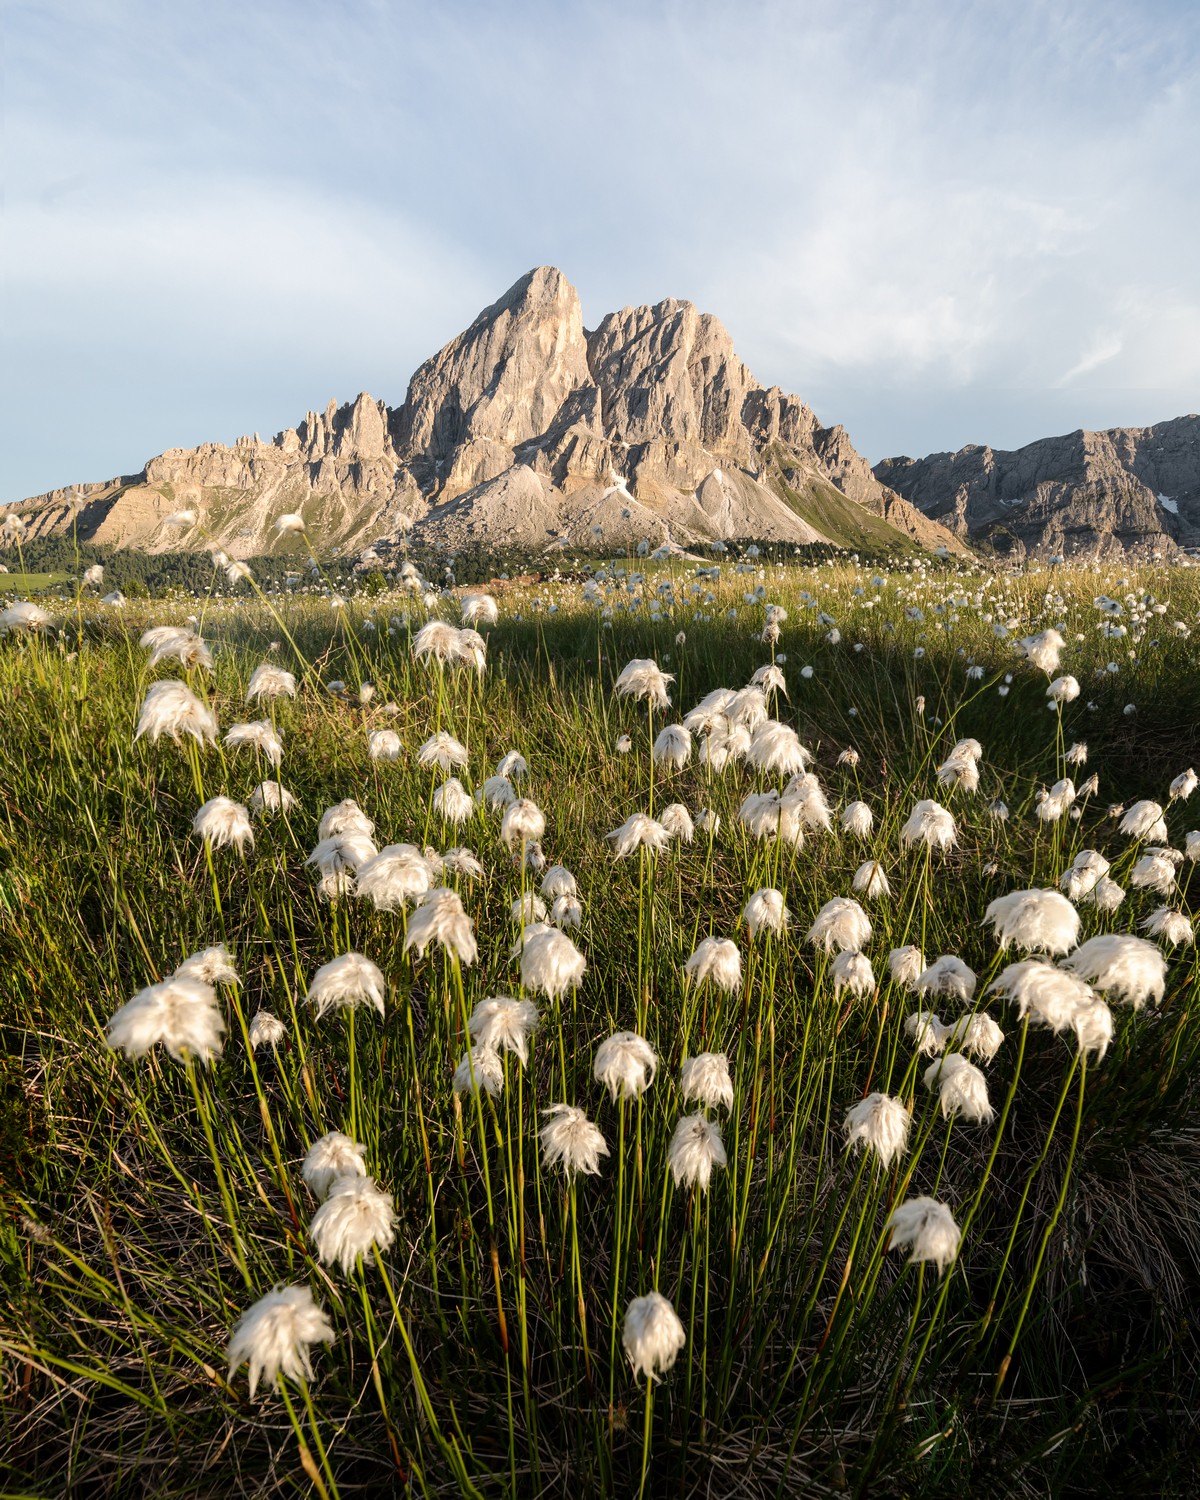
x: 1132, y: 490
x: 525, y: 431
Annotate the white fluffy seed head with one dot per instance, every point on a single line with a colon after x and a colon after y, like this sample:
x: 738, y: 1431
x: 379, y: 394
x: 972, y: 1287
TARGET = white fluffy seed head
x: 442, y: 750
x: 676, y: 819
x: 331, y: 1156
x: 625, y: 1064
x: 270, y: 682
x: 571, y: 1141
x: 870, y: 880
x: 270, y: 797
x: 857, y: 820
x: 880, y: 1124
x: 439, y: 917
x: 716, y: 961
x: 852, y: 971
x: 274, y: 1336
x: 840, y: 924
x: 673, y: 747
x: 643, y: 679
x: 356, y: 1215
x: 906, y: 965
x: 1144, y: 820
x: 947, y: 975
x: 961, y: 1088
x: 1173, y: 927
x: 346, y: 982
x: 504, y: 1024
x: 171, y: 708
x: 265, y: 1030
x: 766, y: 912
x: 221, y: 822
x: 706, y: 1079
x: 1038, y: 921
x: 523, y: 823
x: 652, y: 1336
x: 550, y: 962
x: 398, y: 874
x: 1127, y: 967
x: 345, y: 817
x: 931, y: 824
x: 637, y: 832
x: 480, y: 1069
x: 1047, y: 995
x: 925, y: 1228
x: 181, y: 1013
x: 695, y: 1149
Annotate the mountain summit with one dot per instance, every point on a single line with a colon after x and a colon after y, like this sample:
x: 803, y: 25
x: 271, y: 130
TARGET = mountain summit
x: 527, y: 430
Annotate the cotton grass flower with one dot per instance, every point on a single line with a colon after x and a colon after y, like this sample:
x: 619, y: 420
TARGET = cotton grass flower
x: 398, y: 874
x: 346, y: 982
x: 765, y: 817
x: 842, y: 924
x: 1042, y: 651
x: 528, y: 908
x: 479, y: 609
x: 443, y: 751
x: 706, y: 1079
x: 504, y: 1024
x: 523, y: 823
x: 452, y: 802
x: 480, y: 1070
x: 265, y: 1030
x: 880, y: 1124
x: 1184, y: 785
x: 274, y: 1336
x: 211, y: 965
x: 497, y: 793
x: 513, y: 765
x: 462, y: 862
x: 947, y: 975
x: 930, y: 824
x: 1153, y: 872
x: 906, y: 965
x: 558, y: 881
x: 852, y: 971
x: 716, y: 961
x: 857, y: 820
x: 270, y: 797
x: 927, y: 1229
x: 652, y: 1336
x: 344, y: 817
x: 332, y: 1156
x: 765, y: 912
x: 550, y: 962
x: 1037, y: 921
x: 775, y: 749
x: 221, y: 822
x: 269, y: 682
x: 1145, y: 820
x: 355, y: 1216
x: 694, y: 1150
x: 804, y: 798
x: 639, y: 831
x: 1046, y: 995
x: 1062, y: 690
x: 1052, y: 804
x: 961, y: 1088
x: 439, y: 917
x: 673, y: 748
x: 23, y: 618
x: 338, y: 859
x: 1173, y: 927
x: 175, y: 643
x: 171, y: 708
x: 678, y: 822
x: 383, y: 744
x: 926, y: 1030
x: 979, y: 1036
x: 1087, y: 869
x: 570, y: 1141
x: 259, y: 735
x: 180, y: 1013
x: 643, y: 679
x: 625, y: 1064
x: 870, y: 880
x: 1120, y: 964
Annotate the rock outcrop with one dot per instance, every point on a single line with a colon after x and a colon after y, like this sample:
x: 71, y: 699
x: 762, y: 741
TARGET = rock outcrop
x: 1130, y: 490
x: 527, y: 430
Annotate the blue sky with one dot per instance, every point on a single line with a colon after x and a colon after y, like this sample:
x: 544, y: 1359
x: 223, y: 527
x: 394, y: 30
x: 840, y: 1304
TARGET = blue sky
x: 938, y: 223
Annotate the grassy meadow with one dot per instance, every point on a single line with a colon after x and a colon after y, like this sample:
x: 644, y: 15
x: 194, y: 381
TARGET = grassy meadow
x: 472, y: 1338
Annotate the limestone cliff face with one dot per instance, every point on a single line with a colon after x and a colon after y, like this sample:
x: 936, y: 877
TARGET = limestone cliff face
x: 528, y: 430
x: 1133, y: 490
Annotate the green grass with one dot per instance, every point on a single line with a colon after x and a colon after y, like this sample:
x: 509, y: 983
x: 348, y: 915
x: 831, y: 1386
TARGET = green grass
x: 817, y: 1360
x: 30, y: 583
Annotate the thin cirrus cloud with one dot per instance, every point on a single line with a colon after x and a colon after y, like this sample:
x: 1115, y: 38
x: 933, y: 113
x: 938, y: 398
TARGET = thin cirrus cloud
x: 938, y: 224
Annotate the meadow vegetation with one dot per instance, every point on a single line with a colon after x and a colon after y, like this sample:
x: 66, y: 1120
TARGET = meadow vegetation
x: 988, y: 1279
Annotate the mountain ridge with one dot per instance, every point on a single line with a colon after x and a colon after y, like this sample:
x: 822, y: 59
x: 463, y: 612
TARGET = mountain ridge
x: 525, y: 430
x: 1086, y: 494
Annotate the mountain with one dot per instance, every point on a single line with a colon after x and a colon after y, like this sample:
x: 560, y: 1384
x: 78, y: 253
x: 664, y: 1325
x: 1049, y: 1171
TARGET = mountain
x: 1130, y: 490
x: 526, y: 430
